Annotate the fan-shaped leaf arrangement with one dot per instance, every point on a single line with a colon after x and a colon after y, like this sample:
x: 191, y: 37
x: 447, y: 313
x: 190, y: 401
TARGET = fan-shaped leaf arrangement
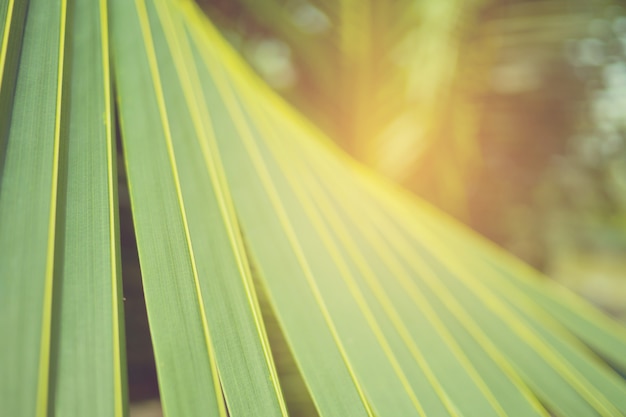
x: 389, y: 308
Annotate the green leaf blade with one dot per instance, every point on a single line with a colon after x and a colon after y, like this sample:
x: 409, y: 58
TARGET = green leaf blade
x: 28, y: 193
x: 88, y: 363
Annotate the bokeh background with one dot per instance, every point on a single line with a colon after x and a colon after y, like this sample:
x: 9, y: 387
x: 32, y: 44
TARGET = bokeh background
x: 510, y: 115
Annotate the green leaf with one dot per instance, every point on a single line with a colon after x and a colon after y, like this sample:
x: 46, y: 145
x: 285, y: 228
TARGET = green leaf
x: 28, y: 205
x: 88, y: 373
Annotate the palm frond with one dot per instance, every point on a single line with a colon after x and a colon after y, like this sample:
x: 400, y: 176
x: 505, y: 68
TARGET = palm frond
x: 388, y: 307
